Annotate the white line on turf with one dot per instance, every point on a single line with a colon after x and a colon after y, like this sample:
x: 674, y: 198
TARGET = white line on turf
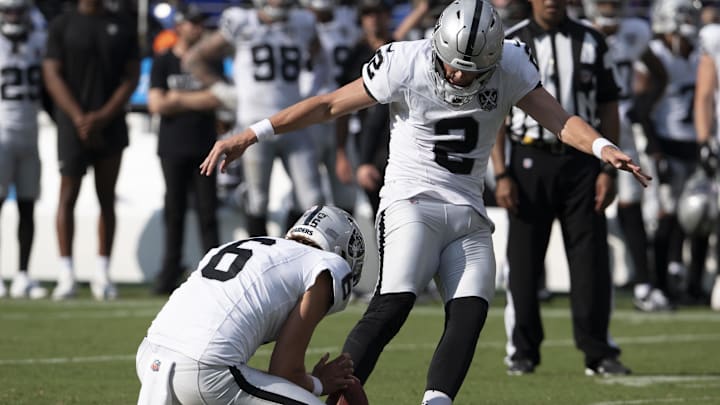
x: 658, y: 401
x: 397, y: 347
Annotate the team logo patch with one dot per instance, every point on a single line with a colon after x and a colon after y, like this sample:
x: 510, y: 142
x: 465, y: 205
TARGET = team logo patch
x: 488, y: 99
x: 356, y: 246
x: 155, y: 366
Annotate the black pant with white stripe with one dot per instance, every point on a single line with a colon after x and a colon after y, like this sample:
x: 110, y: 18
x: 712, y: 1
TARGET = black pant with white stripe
x: 562, y: 186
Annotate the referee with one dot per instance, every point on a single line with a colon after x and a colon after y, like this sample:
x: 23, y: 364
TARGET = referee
x: 544, y: 180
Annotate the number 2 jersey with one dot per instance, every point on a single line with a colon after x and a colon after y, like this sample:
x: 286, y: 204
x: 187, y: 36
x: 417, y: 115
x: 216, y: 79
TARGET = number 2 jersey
x: 240, y: 296
x: 437, y: 149
x: 20, y: 90
x: 268, y: 59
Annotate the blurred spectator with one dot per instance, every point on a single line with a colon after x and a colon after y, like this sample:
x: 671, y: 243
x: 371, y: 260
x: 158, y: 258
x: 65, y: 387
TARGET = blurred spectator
x: 187, y: 132
x: 271, y: 42
x: 628, y: 39
x: 374, y: 132
x: 90, y: 69
x: 22, y: 44
x: 338, y: 31
x: 673, y: 141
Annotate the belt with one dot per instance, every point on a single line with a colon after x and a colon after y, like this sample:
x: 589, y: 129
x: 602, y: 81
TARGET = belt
x: 556, y: 148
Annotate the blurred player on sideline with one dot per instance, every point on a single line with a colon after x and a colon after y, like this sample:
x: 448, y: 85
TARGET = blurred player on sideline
x: 245, y: 294
x: 271, y: 43
x: 22, y: 46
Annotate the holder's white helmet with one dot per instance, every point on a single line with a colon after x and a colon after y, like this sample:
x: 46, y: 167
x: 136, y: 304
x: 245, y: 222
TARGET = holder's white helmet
x: 468, y: 36
x: 333, y: 230
x: 15, y: 17
x: 275, y: 9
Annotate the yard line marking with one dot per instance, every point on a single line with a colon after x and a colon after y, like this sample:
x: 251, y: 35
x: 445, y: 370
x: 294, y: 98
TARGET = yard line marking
x: 66, y: 360
x: 647, y: 380
x: 656, y: 401
x: 266, y: 352
x: 144, y: 309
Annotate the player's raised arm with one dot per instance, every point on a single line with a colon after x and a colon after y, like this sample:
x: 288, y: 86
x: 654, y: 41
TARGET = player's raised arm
x: 314, y: 110
x: 577, y: 133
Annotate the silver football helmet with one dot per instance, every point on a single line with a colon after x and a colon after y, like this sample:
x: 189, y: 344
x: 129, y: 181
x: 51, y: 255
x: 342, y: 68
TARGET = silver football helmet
x: 275, y: 9
x: 468, y: 36
x: 676, y: 17
x: 605, y: 16
x: 697, y: 210
x: 319, y: 5
x: 333, y: 230
x: 15, y: 18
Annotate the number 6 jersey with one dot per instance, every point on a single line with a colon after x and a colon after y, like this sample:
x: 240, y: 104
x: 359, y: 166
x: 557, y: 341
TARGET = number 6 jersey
x: 437, y: 149
x: 240, y: 296
x: 268, y: 59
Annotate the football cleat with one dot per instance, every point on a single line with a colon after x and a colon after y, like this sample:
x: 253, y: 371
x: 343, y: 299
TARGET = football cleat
x: 65, y: 287
x: 607, y: 368
x: 520, y: 367
x: 102, y: 288
x: 653, y: 301
x: 24, y: 287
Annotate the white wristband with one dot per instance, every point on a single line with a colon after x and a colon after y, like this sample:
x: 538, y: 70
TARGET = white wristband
x: 263, y: 130
x: 317, y: 386
x: 599, y: 144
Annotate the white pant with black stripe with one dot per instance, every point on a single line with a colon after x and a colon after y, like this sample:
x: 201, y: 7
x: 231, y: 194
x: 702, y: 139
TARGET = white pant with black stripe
x: 169, y: 377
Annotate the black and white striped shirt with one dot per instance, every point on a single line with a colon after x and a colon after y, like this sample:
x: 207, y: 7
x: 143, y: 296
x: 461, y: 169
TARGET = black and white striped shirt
x: 575, y: 67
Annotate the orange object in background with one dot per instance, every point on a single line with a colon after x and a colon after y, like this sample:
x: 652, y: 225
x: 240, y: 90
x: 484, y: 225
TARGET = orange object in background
x: 164, y: 40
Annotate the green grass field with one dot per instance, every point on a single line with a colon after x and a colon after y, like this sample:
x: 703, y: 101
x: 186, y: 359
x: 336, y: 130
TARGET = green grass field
x: 83, y: 352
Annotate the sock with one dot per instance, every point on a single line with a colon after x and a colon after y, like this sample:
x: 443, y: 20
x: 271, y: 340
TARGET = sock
x: 66, y: 267
x: 103, y: 263
x: 641, y: 290
x: 432, y: 397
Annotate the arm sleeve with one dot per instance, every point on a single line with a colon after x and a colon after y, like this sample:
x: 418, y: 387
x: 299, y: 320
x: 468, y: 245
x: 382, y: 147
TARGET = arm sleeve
x: 520, y: 64
x: 54, y: 46
x: 382, y: 77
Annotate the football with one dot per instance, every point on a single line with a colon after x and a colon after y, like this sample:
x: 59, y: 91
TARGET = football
x: 354, y: 394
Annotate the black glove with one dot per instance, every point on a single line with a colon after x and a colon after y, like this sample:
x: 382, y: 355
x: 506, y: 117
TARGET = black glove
x: 664, y: 170
x: 708, y: 157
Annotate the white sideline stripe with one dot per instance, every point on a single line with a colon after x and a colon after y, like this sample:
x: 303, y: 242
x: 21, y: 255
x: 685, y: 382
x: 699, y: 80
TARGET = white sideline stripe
x: 390, y: 347
x: 656, y: 401
x: 144, y: 309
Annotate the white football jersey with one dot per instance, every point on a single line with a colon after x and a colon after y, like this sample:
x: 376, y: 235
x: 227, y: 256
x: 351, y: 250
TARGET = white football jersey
x: 626, y: 47
x: 437, y: 149
x: 240, y: 296
x: 673, y: 114
x: 710, y: 45
x: 337, y: 38
x: 268, y: 59
x: 20, y: 91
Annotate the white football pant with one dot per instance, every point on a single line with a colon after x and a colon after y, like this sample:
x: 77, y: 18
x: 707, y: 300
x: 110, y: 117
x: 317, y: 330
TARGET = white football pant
x: 421, y: 238
x: 170, y: 378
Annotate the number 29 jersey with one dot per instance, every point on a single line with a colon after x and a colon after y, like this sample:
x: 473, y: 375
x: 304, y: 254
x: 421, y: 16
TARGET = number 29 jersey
x: 437, y: 149
x: 21, y: 81
x: 268, y: 59
x: 240, y: 296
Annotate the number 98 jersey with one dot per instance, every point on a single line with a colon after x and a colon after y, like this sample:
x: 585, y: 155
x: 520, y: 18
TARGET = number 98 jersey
x: 240, y: 296
x: 21, y: 81
x: 438, y: 149
x: 268, y: 59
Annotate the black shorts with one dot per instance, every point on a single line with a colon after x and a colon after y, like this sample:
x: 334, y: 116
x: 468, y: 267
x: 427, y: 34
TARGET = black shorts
x: 75, y: 156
